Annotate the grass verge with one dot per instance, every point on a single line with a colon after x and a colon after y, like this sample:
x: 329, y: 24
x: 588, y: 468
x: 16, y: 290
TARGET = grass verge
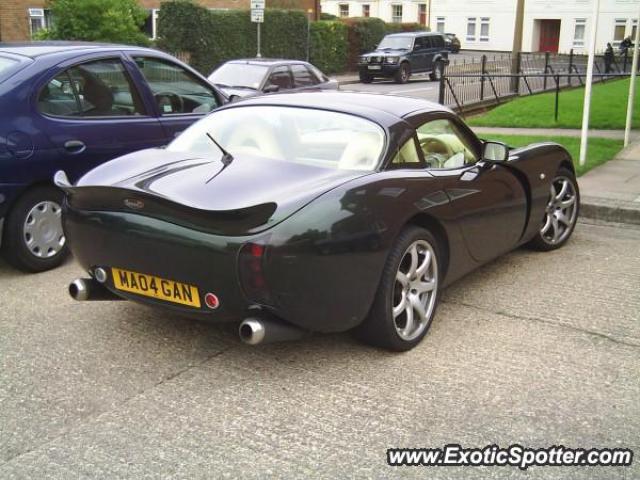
x: 608, y: 109
x: 599, y: 151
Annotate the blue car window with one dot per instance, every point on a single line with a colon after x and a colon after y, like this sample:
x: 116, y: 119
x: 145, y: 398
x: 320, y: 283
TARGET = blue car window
x: 105, y: 89
x: 100, y: 88
x: 176, y: 90
x: 58, y: 97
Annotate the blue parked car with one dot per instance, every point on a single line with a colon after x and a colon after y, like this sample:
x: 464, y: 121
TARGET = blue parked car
x: 72, y: 106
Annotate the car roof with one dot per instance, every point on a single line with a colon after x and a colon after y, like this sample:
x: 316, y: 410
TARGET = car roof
x: 374, y: 106
x: 266, y: 61
x: 38, y: 49
x: 414, y: 34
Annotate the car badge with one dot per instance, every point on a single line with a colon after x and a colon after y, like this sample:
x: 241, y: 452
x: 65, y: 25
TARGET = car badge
x: 133, y: 203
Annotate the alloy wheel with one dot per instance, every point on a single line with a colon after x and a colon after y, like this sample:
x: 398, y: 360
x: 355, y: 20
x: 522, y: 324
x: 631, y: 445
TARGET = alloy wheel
x: 42, y: 230
x: 415, y: 290
x: 560, y: 212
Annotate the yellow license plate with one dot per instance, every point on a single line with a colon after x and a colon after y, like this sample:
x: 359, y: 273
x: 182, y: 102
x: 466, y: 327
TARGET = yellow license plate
x: 156, y: 287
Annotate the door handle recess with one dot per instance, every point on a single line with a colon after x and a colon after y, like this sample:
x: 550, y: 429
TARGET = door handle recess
x: 74, y: 146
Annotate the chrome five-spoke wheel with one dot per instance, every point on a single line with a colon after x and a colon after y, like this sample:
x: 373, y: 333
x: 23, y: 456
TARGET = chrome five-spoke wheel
x: 42, y: 231
x: 561, y: 211
x: 415, y: 290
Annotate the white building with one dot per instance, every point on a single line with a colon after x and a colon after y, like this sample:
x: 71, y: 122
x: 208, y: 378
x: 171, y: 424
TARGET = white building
x: 554, y: 26
x: 397, y: 11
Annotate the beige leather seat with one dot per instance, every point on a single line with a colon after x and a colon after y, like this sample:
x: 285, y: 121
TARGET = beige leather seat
x: 361, y: 153
x: 257, y: 138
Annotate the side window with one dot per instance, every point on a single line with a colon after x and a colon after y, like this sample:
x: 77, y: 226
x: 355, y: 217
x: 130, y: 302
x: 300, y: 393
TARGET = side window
x: 421, y: 43
x: 438, y: 41
x: 175, y: 89
x: 444, y: 146
x: 100, y: 88
x: 407, y: 156
x: 302, y: 77
x: 58, y: 97
x: 280, y: 78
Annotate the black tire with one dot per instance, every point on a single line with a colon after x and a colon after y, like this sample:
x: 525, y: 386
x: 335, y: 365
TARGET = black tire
x: 544, y: 240
x: 403, y: 73
x: 365, y: 77
x: 380, y: 328
x: 14, y: 245
x: 438, y: 69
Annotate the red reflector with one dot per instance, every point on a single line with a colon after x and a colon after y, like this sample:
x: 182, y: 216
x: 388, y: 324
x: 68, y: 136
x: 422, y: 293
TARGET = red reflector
x: 211, y: 301
x: 257, y: 250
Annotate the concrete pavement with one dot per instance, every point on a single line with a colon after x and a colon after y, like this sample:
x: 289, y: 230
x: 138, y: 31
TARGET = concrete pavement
x: 534, y: 348
x: 564, y: 132
x: 611, y: 192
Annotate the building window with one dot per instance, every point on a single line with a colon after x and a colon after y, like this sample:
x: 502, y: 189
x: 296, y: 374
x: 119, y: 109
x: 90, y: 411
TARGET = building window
x: 366, y: 10
x: 471, y: 29
x: 633, y: 30
x: 396, y: 13
x: 150, y: 27
x: 39, y: 19
x: 343, y: 10
x: 579, y: 32
x: 619, y: 29
x: 440, y: 24
x: 422, y: 13
x: 484, y: 29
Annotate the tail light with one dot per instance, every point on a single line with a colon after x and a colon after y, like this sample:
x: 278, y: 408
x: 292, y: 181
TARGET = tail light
x: 251, y: 269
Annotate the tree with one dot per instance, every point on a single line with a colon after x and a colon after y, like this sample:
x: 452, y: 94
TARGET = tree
x: 117, y: 21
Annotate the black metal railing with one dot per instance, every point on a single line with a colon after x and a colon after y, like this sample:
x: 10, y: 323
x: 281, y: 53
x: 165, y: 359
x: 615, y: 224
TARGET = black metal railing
x: 487, y: 80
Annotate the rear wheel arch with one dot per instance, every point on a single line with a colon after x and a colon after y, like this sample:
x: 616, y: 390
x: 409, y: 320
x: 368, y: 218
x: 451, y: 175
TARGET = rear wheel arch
x: 429, y: 223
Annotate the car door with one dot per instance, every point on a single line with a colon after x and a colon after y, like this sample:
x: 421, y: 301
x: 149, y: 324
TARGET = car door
x: 179, y: 96
x: 488, y: 200
x: 419, y: 54
x: 303, y: 78
x: 92, y: 111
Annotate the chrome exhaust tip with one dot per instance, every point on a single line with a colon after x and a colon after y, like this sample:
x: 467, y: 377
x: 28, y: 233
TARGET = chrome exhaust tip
x: 257, y: 330
x: 87, y: 289
x: 79, y: 290
x: 251, y: 331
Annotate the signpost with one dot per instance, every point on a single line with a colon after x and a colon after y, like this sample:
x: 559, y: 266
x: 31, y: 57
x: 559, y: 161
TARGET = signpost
x: 589, y: 82
x: 257, y: 16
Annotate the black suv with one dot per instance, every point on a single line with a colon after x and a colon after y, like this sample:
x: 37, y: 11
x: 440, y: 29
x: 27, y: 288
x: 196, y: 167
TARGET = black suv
x: 401, y: 54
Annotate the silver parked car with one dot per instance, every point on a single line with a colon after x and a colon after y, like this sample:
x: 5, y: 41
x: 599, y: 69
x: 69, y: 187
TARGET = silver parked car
x: 253, y: 76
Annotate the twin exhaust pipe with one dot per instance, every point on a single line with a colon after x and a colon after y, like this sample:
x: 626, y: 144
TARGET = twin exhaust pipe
x: 255, y: 330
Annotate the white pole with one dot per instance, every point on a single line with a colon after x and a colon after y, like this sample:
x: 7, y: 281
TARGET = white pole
x: 587, y: 88
x: 632, y: 87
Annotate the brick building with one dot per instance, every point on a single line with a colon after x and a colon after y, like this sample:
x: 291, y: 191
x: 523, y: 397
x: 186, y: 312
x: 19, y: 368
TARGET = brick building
x: 20, y: 19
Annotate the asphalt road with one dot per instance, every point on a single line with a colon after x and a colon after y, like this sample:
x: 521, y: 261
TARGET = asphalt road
x: 534, y: 348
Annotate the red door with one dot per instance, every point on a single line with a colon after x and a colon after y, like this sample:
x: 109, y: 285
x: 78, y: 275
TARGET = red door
x: 549, y: 35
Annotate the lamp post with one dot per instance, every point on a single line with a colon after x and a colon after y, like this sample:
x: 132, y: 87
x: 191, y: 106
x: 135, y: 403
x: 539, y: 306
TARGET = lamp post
x: 632, y: 86
x: 589, y: 81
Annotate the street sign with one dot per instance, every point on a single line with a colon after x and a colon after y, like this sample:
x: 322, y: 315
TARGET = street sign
x: 257, y: 4
x: 257, y: 16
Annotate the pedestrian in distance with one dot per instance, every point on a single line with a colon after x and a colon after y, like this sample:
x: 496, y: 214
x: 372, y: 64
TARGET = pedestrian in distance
x: 608, y: 58
x: 625, y: 45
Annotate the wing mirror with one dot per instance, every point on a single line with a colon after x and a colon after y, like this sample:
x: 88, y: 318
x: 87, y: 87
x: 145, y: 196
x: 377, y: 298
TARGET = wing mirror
x: 495, y: 152
x: 271, y: 89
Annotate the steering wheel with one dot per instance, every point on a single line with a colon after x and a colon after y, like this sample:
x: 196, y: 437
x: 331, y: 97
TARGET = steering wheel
x: 436, y: 152
x: 169, y: 102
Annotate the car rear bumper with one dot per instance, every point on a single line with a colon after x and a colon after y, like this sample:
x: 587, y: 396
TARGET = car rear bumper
x: 160, y: 249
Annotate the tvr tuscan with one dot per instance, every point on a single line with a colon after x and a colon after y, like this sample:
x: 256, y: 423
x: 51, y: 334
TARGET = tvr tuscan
x: 314, y: 212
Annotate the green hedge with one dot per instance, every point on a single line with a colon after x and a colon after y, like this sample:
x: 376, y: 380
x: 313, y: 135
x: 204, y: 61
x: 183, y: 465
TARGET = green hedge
x: 328, y: 49
x: 213, y: 37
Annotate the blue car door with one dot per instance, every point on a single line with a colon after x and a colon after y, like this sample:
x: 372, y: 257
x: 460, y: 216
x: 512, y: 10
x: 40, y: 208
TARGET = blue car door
x: 92, y: 112
x: 179, y: 95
